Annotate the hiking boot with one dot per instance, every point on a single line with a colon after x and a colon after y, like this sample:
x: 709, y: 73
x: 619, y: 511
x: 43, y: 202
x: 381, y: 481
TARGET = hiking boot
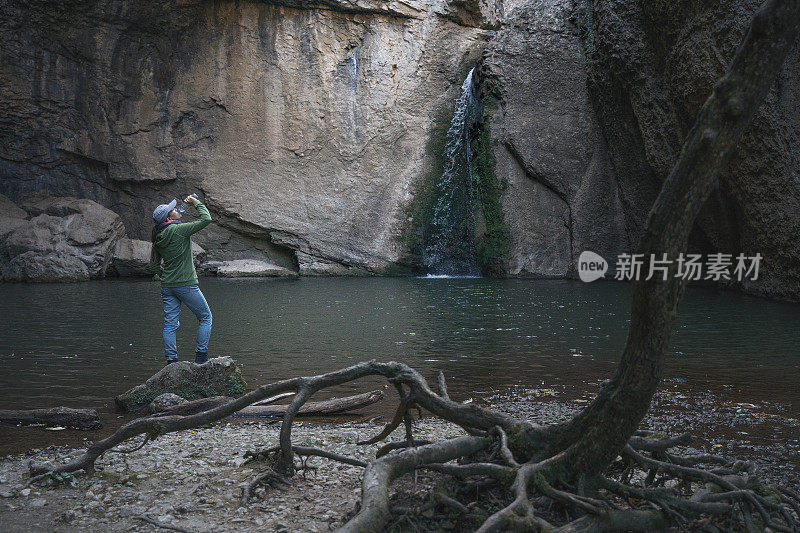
x: 200, y: 357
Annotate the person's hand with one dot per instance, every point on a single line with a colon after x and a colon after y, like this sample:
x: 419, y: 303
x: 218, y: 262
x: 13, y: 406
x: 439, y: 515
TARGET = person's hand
x: 190, y: 200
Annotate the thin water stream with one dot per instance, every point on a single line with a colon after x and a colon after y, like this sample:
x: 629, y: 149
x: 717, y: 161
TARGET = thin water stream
x: 450, y: 246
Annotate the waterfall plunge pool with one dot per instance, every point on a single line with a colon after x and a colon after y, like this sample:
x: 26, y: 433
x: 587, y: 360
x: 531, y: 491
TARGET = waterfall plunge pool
x: 78, y: 345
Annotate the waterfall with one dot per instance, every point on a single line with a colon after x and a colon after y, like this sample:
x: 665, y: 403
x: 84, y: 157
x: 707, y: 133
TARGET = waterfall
x: 450, y: 242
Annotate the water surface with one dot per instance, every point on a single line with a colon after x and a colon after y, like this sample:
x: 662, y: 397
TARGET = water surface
x: 80, y: 344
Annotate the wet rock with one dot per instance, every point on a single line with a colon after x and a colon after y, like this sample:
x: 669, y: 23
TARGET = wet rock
x: 53, y: 417
x: 164, y: 402
x: 132, y: 257
x: 243, y: 268
x: 68, y: 239
x: 218, y: 377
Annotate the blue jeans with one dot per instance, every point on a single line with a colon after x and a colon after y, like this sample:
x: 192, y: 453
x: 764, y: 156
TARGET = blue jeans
x: 196, y: 302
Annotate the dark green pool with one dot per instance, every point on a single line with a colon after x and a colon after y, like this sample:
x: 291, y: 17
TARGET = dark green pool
x: 81, y: 344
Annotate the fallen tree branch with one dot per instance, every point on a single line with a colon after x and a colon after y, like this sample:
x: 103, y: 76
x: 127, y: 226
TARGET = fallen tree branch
x: 83, y: 419
x: 274, y: 398
x: 263, y: 410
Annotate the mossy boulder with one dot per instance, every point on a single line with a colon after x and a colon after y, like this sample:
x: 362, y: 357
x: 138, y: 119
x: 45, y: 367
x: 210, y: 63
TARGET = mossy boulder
x: 218, y: 377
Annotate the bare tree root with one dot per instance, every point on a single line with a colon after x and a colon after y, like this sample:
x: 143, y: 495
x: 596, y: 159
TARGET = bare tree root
x: 468, y: 416
x: 442, y: 386
x: 745, y: 490
x: 694, y: 494
x: 520, y: 514
x: 267, y: 477
x: 654, y: 486
x: 379, y: 474
x: 440, y: 498
x: 399, y: 445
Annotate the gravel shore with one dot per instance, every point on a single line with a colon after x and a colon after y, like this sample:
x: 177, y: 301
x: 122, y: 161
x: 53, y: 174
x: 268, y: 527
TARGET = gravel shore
x: 192, y: 480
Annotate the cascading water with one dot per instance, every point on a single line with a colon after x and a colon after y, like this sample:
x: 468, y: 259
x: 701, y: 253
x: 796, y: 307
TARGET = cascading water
x: 450, y: 242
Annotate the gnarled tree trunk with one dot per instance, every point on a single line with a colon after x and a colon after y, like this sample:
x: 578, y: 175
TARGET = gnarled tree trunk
x: 598, y: 434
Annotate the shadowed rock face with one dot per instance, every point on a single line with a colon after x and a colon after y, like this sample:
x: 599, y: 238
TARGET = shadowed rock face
x: 652, y: 66
x: 301, y: 124
x: 595, y: 99
x: 561, y: 196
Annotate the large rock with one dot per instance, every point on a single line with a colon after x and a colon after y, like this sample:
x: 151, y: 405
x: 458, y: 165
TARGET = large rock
x: 250, y: 268
x: 163, y: 402
x: 11, y: 217
x: 218, y: 377
x: 68, y: 239
x: 584, y: 145
x: 132, y: 257
x: 314, y: 266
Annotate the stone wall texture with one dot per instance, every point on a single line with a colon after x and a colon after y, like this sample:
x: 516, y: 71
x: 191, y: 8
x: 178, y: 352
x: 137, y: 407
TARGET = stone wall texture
x: 306, y: 127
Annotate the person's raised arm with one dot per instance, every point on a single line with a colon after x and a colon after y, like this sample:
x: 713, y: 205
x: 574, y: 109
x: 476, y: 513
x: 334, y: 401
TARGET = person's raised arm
x: 193, y: 227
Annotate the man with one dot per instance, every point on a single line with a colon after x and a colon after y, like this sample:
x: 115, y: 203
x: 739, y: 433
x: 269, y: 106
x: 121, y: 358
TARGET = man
x: 172, y: 244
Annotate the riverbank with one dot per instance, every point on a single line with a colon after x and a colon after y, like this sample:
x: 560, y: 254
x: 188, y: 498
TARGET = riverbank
x: 192, y: 479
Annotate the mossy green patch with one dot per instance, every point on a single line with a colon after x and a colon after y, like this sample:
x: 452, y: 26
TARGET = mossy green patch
x: 492, y: 245
x: 420, y: 210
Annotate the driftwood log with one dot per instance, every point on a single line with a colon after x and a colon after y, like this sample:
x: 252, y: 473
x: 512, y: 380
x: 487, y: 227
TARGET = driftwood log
x: 53, y: 417
x: 327, y: 407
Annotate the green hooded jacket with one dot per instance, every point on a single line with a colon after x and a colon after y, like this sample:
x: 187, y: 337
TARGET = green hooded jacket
x: 174, y: 246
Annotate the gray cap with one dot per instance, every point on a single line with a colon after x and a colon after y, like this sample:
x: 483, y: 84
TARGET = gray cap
x: 161, y: 212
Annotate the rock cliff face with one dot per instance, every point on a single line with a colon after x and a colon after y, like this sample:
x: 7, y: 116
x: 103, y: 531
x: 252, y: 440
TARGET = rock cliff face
x: 652, y: 65
x: 595, y: 100
x: 302, y: 124
x: 308, y: 127
x: 561, y: 194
